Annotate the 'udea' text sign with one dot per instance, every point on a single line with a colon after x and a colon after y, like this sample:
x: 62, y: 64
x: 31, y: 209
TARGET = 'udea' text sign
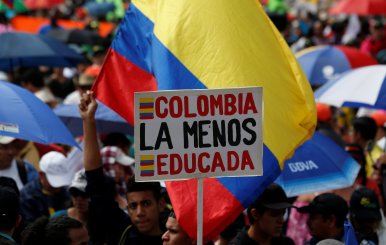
x: 187, y: 134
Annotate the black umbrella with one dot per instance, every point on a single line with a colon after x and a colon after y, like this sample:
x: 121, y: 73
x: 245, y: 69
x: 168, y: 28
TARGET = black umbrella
x: 76, y: 36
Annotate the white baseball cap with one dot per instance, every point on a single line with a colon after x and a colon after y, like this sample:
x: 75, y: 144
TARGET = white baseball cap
x: 4, y: 140
x: 112, y: 154
x: 80, y: 181
x: 54, y: 164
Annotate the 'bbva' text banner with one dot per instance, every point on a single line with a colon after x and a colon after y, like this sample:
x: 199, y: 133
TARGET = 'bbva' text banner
x: 187, y: 134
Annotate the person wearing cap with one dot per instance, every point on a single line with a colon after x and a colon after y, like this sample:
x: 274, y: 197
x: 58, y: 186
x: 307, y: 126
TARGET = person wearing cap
x: 266, y: 216
x: 79, y: 198
x: 9, y: 214
x: 141, y: 223
x: 21, y: 171
x: 48, y: 193
x: 327, y: 214
x: 114, y: 163
x: 84, y: 83
x: 365, y: 215
x: 123, y: 142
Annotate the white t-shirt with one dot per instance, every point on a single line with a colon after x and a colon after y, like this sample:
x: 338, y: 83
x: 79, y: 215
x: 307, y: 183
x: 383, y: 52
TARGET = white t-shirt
x: 12, y: 172
x: 72, y: 98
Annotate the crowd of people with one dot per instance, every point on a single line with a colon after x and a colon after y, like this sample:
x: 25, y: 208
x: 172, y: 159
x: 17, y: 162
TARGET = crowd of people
x: 43, y: 202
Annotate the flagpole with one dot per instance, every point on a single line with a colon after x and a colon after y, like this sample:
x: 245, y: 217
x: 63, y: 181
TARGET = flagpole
x: 200, y: 208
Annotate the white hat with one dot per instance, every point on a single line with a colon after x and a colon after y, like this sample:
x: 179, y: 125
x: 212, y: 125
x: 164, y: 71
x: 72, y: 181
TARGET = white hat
x: 79, y: 182
x: 54, y: 164
x: 4, y: 140
x: 112, y: 154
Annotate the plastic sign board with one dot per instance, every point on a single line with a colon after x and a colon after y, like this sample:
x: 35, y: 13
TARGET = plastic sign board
x: 186, y: 134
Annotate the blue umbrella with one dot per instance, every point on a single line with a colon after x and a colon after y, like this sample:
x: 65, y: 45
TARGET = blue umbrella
x: 318, y: 165
x: 19, y: 49
x: 106, y: 119
x: 321, y: 63
x: 24, y: 116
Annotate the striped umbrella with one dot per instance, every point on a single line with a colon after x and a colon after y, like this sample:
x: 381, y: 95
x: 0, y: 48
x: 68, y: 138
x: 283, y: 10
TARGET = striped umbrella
x: 361, y: 87
x: 321, y: 63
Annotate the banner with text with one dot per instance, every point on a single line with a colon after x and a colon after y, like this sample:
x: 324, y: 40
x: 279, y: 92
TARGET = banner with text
x: 186, y: 134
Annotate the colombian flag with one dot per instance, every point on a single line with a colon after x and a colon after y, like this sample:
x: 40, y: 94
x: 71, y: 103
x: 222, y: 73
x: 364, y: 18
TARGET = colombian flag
x: 201, y: 44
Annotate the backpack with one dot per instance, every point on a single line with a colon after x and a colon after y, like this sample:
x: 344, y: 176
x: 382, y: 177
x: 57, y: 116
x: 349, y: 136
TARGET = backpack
x: 22, y: 170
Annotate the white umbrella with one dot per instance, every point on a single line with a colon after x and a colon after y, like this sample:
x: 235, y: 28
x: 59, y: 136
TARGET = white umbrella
x: 361, y: 87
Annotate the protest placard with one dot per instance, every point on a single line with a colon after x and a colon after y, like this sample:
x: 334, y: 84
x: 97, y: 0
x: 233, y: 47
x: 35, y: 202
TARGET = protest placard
x: 188, y: 134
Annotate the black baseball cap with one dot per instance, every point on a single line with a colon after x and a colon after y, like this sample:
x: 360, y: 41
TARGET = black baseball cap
x: 274, y: 197
x: 364, y: 205
x: 327, y: 203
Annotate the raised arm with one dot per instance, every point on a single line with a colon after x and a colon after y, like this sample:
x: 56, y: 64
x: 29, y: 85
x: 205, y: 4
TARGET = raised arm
x: 91, y: 155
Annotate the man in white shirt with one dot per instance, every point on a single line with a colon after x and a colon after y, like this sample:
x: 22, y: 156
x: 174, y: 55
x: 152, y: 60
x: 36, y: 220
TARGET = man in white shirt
x: 20, y: 171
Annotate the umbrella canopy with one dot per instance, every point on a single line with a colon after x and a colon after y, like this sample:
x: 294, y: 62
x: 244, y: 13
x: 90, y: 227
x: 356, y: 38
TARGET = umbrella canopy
x: 99, y: 9
x: 75, y: 36
x: 42, y: 4
x: 19, y: 49
x: 106, y: 119
x: 321, y: 63
x: 24, y: 116
x: 318, y: 165
x: 361, y: 87
x: 359, y: 7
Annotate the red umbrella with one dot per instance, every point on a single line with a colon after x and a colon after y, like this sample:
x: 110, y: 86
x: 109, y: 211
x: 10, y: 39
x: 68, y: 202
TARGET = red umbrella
x: 360, y: 7
x: 42, y: 4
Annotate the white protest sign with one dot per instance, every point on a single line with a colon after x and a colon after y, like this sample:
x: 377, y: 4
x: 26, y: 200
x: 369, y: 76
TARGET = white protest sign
x: 186, y: 134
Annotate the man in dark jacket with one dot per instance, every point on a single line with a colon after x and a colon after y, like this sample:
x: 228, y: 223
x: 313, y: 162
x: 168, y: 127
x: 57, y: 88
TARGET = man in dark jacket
x: 328, y: 213
x: 266, y: 216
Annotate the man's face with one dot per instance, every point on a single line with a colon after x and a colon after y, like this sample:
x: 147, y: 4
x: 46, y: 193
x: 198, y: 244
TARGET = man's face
x: 78, y: 236
x: 319, y: 226
x: 144, y: 211
x: 46, y: 184
x: 80, y: 201
x: 174, y: 234
x: 365, y: 227
x: 7, y: 154
x: 271, y: 222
